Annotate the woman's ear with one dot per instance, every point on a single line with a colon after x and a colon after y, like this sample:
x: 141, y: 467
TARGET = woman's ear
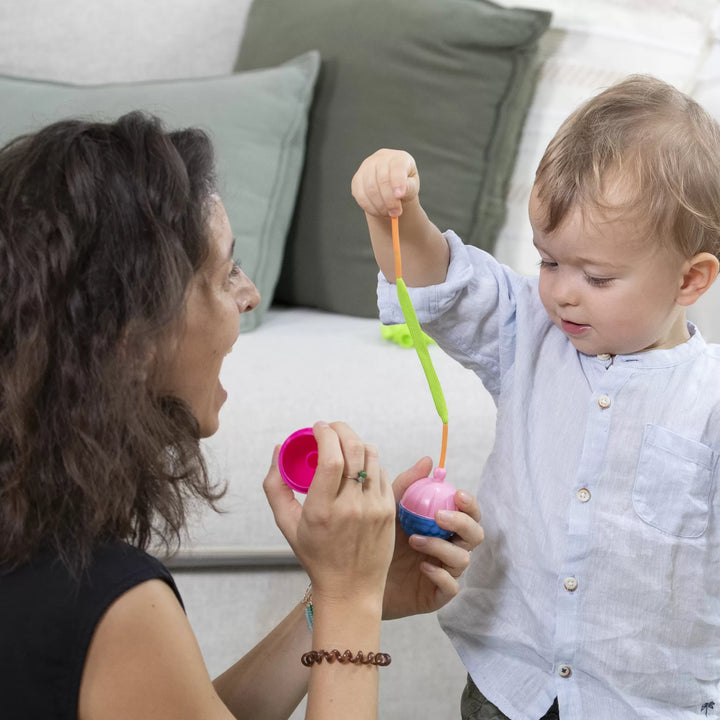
x: 699, y: 273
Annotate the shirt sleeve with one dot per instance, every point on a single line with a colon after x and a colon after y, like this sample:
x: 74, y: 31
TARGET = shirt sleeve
x: 474, y: 314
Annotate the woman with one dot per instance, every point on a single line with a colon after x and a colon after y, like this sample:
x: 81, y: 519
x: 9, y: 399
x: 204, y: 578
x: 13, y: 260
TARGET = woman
x: 120, y: 301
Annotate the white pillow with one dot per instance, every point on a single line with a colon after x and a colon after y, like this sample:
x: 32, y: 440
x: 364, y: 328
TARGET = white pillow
x: 114, y: 41
x: 591, y: 45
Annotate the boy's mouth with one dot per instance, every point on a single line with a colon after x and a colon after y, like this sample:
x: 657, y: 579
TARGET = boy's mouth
x: 572, y: 328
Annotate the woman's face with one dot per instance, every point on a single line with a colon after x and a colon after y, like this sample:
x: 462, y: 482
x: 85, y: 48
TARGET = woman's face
x: 217, y: 294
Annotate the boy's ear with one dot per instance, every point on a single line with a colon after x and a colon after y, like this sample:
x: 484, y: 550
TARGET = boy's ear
x: 699, y: 273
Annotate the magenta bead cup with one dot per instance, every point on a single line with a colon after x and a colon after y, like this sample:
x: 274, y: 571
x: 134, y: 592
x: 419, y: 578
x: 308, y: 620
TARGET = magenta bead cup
x: 298, y: 459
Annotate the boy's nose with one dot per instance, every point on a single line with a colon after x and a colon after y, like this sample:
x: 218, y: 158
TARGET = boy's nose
x: 565, y: 293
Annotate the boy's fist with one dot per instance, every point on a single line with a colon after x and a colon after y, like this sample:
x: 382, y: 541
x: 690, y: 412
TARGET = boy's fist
x: 385, y: 181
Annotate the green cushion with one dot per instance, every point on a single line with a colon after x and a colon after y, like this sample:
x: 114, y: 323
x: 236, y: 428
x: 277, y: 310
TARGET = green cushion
x: 258, y: 123
x: 448, y: 80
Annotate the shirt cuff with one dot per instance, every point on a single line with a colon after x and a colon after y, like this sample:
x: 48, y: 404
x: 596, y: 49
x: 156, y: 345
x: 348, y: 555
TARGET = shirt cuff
x: 432, y: 301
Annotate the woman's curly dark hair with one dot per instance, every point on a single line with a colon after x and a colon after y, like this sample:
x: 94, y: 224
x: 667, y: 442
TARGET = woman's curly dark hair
x: 102, y: 227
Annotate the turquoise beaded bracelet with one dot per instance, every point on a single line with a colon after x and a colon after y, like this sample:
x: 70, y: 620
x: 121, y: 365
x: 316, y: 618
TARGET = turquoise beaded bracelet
x: 307, y: 602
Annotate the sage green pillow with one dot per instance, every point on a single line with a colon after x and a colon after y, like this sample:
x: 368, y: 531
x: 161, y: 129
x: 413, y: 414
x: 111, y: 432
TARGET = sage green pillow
x: 257, y: 121
x: 448, y: 80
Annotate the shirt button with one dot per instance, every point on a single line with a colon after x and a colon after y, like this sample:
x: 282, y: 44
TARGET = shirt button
x: 571, y: 584
x: 603, y: 401
x: 604, y: 356
x: 564, y: 671
x: 583, y: 495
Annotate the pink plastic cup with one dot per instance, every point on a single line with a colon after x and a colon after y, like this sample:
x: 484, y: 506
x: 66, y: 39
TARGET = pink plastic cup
x: 298, y: 459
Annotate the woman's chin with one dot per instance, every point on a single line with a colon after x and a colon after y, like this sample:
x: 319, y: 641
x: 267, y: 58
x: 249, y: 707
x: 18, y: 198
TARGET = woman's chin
x: 209, y: 420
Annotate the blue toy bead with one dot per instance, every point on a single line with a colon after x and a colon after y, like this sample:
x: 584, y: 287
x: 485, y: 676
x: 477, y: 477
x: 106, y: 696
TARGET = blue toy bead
x: 416, y: 524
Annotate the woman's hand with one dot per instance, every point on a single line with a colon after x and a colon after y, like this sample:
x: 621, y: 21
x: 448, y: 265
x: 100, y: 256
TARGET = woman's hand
x: 343, y: 533
x: 424, y: 570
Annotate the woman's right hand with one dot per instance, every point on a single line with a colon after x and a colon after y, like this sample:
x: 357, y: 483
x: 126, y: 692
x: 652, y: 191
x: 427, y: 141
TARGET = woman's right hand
x: 343, y: 534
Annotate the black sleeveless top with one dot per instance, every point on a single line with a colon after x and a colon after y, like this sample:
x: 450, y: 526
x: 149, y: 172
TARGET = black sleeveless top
x: 47, y: 619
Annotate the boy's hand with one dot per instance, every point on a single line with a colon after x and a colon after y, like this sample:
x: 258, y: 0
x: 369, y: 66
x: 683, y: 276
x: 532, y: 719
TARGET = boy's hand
x: 386, y: 181
x: 386, y: 185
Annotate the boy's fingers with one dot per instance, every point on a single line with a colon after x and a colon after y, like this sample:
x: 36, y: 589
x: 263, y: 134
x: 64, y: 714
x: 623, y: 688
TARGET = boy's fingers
x: 422, y: 468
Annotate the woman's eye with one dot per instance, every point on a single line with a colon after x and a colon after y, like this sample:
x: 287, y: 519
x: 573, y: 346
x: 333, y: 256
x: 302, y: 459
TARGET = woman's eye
x: 235, y: 271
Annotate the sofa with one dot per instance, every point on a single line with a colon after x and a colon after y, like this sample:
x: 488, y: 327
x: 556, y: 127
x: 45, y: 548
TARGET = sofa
x: 295, y: 94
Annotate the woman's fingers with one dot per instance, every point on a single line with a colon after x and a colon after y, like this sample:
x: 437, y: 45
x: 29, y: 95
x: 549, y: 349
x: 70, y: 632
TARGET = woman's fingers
x: 353, y: 451
x: 285, y: 507
x: 328, y: 473
x: 344, y: 520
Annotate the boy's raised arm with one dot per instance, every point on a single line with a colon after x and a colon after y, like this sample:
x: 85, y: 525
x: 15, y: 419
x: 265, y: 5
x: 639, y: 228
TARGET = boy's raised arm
x: 387, y: 184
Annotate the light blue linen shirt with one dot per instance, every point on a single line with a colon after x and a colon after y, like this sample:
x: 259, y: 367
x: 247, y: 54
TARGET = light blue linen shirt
x: 599, y: 578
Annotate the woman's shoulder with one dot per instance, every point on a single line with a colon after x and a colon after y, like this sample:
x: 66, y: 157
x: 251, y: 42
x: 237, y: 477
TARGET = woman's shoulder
x: 120, y: 566
x: 112, y: 568
x: 144, y: 661
x: 49, y: 615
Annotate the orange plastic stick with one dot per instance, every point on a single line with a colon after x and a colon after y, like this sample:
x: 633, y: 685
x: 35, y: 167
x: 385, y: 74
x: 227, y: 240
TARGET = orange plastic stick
x: 396, y: 246
x: 443, y: 447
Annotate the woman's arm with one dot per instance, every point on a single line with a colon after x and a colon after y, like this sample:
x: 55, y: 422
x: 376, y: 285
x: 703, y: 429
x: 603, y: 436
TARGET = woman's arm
x: 343, y: 536
x: 270, y: 681
x: 144, y: 661
x: 345, y: 690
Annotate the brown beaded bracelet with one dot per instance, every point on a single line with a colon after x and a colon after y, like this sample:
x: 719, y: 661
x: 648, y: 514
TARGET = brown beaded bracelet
x: 317, y: 656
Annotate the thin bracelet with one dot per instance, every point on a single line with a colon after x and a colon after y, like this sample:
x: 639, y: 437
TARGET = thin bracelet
x: 317, y: 656
x: 308, y: 603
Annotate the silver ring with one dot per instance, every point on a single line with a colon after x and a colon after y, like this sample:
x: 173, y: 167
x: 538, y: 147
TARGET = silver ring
x: 361, y: 477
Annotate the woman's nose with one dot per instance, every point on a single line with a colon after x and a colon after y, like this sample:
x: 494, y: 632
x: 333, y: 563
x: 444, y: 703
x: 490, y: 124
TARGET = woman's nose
x: 248, y: 296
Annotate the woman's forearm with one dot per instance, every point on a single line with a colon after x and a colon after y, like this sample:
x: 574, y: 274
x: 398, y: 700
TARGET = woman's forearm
x: 345, y: 690
x: 270, y: 680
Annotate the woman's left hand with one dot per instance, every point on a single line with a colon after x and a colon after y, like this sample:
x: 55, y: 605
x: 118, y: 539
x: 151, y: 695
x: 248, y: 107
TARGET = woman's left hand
x: 424, y: 570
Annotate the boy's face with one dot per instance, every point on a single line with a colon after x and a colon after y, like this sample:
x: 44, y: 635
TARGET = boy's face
x: 609, y: 289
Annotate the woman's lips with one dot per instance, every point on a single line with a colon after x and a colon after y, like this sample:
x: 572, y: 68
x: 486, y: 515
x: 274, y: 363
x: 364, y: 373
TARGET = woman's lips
x: 572, y: 328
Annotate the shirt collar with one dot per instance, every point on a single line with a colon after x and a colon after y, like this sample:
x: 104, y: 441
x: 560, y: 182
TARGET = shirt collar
x: 665, y: 357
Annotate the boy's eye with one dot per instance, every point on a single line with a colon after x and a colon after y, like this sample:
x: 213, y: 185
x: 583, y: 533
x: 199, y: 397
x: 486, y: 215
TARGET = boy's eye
x: 547, y: 265
x: 598, y: 282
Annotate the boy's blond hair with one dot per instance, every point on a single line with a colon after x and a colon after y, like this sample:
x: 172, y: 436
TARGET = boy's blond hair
x: 653, y: 141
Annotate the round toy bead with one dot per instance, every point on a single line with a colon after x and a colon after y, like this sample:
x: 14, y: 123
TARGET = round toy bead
x: 422, y: 500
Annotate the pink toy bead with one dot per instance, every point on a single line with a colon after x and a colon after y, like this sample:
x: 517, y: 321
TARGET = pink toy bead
x: 425, y: 497
x: 422, y: 500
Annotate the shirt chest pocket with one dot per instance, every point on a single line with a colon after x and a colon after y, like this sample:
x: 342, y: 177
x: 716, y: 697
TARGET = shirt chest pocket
x: 674, y: 483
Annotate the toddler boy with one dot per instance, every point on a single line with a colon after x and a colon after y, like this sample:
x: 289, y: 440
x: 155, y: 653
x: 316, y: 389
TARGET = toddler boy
x: 597, y: 589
